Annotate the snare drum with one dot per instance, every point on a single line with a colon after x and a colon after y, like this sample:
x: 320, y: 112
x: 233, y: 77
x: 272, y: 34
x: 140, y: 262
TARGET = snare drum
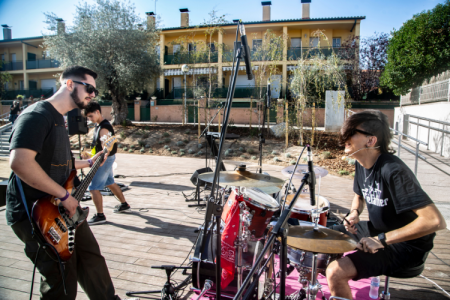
x: 303, y: 208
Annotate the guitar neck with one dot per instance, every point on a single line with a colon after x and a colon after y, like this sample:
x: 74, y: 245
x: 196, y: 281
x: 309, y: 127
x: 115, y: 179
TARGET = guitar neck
x: 81, y: 189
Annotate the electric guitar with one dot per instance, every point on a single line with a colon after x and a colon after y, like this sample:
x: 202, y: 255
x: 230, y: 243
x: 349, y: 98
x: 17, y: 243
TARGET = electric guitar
x: 50, y: 217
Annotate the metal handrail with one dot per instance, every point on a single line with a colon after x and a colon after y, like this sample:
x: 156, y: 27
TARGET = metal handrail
x: 443, y: 131
x: 416, y: 153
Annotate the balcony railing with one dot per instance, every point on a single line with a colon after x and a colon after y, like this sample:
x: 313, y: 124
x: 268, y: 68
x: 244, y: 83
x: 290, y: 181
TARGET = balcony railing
x: 12, y: 94
x: 307, y: 52
x: 191, y: 57
x: 240, y: 92
x: 256, y: 56
x: 42, y: 64
x: 11, y: 65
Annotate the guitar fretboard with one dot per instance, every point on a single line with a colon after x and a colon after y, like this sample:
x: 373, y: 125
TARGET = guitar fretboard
x: 81, y: 189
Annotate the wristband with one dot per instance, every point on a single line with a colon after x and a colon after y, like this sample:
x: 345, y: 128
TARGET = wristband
x: 90, y: 162
x: 65, y: 197
x: 356, y: 211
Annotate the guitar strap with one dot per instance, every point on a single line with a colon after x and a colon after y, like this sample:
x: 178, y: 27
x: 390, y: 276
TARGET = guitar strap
x: 41, y: 242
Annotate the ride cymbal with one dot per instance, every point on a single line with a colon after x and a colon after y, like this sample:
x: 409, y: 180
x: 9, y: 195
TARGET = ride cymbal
x: 323, y: 240
x: 264, y: 182
x: 318, y: 171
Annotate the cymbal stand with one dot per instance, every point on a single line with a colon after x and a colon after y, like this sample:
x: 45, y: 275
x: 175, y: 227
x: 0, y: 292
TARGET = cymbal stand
x: 240, y: 244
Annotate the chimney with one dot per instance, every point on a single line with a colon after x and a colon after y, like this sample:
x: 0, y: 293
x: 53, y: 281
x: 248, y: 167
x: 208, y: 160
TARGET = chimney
x: 184, y: 17
x: 150, y: 19
x: 266, y: 10
x: 60, y: 26
x: 305, y: 9
x: 7, y: 35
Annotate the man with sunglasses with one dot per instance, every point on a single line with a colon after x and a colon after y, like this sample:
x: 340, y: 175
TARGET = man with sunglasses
x: 40, y: 156
x: 402, y: 217
x: 104, y: 176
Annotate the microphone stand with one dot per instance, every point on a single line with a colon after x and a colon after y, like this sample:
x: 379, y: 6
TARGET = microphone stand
x: 262, y: 140
x: 213, y: 207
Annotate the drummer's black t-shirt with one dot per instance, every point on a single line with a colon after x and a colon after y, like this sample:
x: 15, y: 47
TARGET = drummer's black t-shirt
x: 392, y: 191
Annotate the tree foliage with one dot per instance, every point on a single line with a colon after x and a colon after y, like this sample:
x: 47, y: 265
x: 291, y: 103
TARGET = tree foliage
x: 419, y: 50
x: 5, y: 77
x: 108, y: 37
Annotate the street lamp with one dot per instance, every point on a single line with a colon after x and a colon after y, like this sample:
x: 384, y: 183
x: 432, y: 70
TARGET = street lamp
x: 185, y: 70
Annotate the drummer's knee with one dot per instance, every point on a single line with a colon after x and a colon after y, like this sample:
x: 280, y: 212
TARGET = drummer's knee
x: 341, y: 270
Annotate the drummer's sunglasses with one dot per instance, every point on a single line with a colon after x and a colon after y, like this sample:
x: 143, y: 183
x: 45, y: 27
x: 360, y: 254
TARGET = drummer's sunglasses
x: 89, y: 87
x: 354, y: 131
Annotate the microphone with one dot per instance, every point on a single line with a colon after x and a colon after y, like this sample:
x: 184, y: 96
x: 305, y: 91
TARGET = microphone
x: 312, y: 177
x: 246, y: 53
x: 268, y: 93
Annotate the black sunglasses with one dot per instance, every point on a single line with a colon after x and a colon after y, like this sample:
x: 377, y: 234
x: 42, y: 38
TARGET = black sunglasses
x: 89, y: 87
x: 355, y: 130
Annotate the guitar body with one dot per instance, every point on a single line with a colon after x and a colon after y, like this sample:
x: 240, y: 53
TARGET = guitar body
x: 54, y: 224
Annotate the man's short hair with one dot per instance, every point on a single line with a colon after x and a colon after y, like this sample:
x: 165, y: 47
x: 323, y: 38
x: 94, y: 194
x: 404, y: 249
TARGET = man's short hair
x: 92, y: 107
x: 77, y: 72
x: 373, y: 122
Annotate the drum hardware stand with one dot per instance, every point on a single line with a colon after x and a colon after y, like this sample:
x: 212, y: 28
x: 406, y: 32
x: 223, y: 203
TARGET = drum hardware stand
x: 211, y: 139
x: 169, y: 292
x: 207, y: 286
x: 262, y: 140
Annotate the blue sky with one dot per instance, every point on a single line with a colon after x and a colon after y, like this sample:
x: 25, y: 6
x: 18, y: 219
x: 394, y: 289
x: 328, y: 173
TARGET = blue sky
x: 26, y: 16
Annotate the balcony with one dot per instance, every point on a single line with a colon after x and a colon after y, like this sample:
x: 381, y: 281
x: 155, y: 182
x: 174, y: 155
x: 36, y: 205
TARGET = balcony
x: 256, y: 56
x: 11, y: 66
x: 42, y: 64
x: 308, y: 52
x: 190, y: 57
x: 240, y: 92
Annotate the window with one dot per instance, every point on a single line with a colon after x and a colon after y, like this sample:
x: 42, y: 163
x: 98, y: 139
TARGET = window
x: 336, y: 42
x: 3, y: 57
x: 176, y: 48
x: 13, y: 57
x: 212, y: 47
x: 296, y: 42
x: 314, y: 42
x: 191, y: 47
x: 256, y: 44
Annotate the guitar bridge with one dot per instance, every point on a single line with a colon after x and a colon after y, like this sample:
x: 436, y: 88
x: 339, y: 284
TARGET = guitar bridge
x: 54, y: 235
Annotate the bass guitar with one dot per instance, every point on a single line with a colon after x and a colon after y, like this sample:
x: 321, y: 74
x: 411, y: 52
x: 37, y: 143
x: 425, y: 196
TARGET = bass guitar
x: 50, y: 217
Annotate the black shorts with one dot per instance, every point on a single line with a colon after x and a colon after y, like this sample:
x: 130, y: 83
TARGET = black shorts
x: 384, y: 261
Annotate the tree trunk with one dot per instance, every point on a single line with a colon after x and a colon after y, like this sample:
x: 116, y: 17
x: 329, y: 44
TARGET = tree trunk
x: 119, y: 110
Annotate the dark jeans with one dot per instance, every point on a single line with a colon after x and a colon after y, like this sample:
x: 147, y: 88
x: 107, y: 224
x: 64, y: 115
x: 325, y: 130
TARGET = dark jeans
x: 86, y: 266
x: 13, y: 118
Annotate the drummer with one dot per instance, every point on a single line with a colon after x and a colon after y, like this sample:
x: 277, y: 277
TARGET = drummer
x: 402, y: 217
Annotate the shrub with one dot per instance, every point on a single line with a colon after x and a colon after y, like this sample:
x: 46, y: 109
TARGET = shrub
x: 185, y: 141
x: 145, y: 135
x: 166, y: 134
x: 180, y: 143
x: 293, y: 162
x: 190, y: 151
x: 228, y: 152
x: 147, y: 145
x: 326, y: 154
x: 254, y: 157
x: 276, y: 159
x: 353, y: 174
x: 122, y: 135
x: 200, y: 146
x: 132, y: 146
x: 131, y: 151
x: 150, y: 151
x: 181, y: 153
x: 119, y: 145
x: 187, y: 131
x: 351, y: 161
x: 142, y: 150
x: 160, y: 142
x: 287, y: 155
x: 343, y: 172
x: 304, y: 158
x: 251, y: 151
x: 174, y: 152
x: 274, y: 152
x: 241, y: 149
x: 168, y: 149
x: 200, y: 152
x: 125, y: 149
x: 167, y: 140
x: 166, y: 146
x: 141, y: 143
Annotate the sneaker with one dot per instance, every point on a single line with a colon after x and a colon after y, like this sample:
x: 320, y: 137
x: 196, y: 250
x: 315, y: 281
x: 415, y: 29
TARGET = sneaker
x: 96, y: 219
x: 122, y: 207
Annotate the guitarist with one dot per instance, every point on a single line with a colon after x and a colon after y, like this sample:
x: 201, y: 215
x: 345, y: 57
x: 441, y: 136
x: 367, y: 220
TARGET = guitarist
x: 40, y: 155
x: 104, y: 176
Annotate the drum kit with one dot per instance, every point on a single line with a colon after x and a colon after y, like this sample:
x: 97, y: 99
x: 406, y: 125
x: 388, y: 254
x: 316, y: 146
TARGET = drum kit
x: 311, y: 246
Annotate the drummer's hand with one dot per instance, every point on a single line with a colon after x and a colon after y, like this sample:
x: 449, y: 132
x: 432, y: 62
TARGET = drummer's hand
x: 350, y: 221
x: 370, y: 244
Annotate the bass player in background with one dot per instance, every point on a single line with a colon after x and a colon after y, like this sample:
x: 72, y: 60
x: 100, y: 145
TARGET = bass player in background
x: 40, y: 155
x: 104, y: 176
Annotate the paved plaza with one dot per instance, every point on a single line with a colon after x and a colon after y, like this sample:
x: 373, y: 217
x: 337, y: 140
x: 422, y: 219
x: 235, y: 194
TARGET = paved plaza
x: 160, y: 229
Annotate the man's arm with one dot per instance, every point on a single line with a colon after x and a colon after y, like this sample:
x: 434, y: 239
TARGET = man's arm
x: 429, y: 219
x: 24, y: 165
x: 355, y: 210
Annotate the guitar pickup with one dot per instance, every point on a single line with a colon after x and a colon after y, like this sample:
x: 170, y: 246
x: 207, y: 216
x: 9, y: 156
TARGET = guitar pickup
x: 54, y: 235
x: 60, y: 225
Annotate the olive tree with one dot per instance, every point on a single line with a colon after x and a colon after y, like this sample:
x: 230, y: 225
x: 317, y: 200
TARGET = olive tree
x: 5, y: 77
x: 108, y: 37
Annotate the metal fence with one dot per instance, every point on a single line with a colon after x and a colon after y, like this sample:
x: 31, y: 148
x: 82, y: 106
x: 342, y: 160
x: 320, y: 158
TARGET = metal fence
x: 438, y: 91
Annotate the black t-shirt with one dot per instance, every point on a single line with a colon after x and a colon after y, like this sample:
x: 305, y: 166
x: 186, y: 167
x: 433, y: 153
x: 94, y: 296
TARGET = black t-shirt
x: 96, y: 143
x: 15, y: 109
x: 391, y: 191
x: 41, y: 128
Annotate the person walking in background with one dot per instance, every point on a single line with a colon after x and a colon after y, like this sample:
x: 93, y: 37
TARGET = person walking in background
x: 15, y: 109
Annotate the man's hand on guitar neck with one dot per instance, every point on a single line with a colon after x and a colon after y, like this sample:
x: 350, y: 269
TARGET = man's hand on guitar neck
x: 97, y: 155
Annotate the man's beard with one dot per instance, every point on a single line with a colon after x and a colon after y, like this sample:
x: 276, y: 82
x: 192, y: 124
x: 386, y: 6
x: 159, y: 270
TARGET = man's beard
x: 76, y: 99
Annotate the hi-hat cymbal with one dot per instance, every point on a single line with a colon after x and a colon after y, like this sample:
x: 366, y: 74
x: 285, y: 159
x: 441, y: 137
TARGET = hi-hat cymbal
x: 318, y: 171
x: 264, y: 182
x: 323, y: 240
x: 238, y: 163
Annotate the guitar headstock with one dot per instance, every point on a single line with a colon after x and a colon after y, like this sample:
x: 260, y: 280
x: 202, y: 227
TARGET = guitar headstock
x: 108, y: 142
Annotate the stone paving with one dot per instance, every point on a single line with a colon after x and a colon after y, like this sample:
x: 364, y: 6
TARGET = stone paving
x: 160, y: 230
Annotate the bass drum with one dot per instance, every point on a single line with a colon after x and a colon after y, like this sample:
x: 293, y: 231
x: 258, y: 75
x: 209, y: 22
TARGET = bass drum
x: 204, y: 267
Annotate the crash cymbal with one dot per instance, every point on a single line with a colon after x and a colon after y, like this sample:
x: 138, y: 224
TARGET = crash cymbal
x: 238, y: 163
x: 318, y: 171
x: 264, y: 182
x: 323, y: 240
